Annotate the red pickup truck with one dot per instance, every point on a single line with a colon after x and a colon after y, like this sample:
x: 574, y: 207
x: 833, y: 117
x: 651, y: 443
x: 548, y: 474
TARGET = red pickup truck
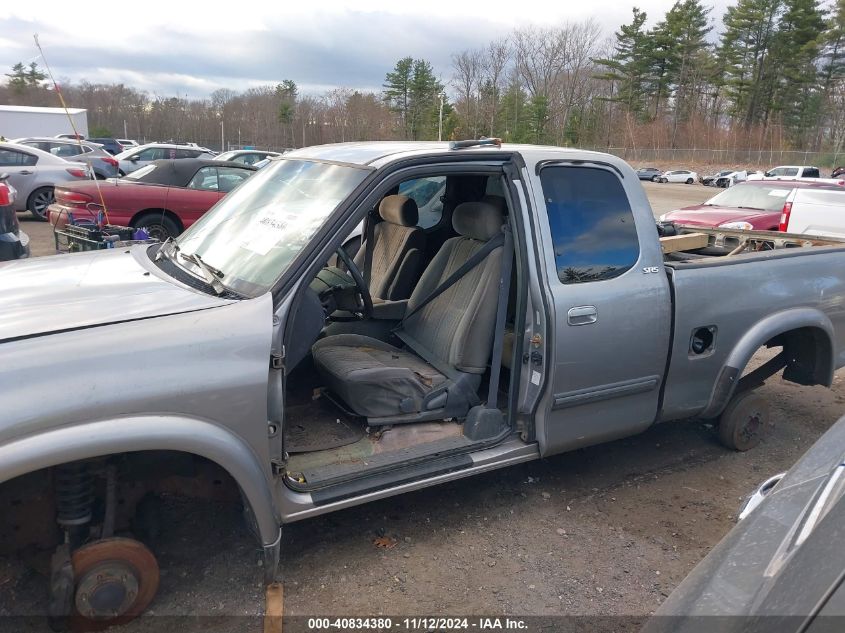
x: 165, y: 197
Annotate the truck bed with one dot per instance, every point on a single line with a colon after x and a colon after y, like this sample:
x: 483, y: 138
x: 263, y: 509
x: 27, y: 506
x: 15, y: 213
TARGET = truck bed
x: 744, y: 284
x: 685, y: 247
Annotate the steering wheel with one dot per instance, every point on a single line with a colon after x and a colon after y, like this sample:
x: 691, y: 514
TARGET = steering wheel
x: 363, y: 290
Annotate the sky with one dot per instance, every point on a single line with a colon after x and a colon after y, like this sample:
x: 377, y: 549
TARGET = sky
x: 181, y: 48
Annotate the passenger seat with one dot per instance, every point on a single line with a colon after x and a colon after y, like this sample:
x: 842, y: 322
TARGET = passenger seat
x: 398, y: 250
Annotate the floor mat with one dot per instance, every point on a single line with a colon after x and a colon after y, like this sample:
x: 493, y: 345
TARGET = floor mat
x: 319, y: 426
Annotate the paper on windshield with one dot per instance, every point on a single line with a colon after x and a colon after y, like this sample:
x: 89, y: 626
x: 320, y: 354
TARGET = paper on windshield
x: 266, y: 229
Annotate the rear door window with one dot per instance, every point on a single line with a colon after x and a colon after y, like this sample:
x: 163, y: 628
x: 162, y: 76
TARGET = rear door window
x: 427, y: 193
x: 12, y: 158
x: 591, y: 224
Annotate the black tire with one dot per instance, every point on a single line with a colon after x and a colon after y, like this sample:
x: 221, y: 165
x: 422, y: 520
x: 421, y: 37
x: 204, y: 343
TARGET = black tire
x: 655, y: 179
x: 744, y: 421
x: 690, y: 181
x: 664, y: 180
x: 38, y: 202
x: 159, y: 225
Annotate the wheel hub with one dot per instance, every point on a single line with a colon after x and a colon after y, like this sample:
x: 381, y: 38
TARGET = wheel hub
x: 116, y: 579
x: 107, y: 590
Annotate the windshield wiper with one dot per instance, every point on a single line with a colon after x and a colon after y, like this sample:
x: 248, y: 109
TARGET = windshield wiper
x: 210, y: 273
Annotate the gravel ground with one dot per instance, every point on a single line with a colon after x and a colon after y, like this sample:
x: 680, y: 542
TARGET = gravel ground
x: 607, y: 530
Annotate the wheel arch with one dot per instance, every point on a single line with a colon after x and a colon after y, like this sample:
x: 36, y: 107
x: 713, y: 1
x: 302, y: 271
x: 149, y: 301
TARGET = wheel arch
x: 807, y: 336
x: 153, y: 211
x: 150, y: 433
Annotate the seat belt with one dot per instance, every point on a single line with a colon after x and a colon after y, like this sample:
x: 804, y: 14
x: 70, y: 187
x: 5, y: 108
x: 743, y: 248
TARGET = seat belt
x: 456, y: 276
x: 501, y: 315
x: 369, y: 246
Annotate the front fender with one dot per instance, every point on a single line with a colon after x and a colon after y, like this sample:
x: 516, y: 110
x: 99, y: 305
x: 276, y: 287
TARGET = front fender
x: 150, y: 432
x: 757, y: 336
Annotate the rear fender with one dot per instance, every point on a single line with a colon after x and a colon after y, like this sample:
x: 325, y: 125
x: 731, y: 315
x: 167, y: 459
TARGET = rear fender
x: 764, y: 331
x: 150, y: 432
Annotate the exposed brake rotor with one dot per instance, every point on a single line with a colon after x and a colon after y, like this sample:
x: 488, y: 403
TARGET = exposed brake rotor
x: 116, y: 579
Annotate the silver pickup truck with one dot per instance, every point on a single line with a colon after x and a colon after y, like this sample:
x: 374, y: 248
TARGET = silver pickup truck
x: 531, y: 309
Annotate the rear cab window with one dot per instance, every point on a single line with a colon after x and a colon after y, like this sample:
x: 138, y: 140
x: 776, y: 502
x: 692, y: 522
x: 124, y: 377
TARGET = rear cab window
x: 427, y: 193
x: 591, y: 224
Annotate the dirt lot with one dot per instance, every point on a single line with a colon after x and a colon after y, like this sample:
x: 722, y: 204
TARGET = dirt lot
x: 608, y: 530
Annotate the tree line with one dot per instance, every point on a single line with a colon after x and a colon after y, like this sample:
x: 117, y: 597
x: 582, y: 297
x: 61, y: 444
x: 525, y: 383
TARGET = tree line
x: 768, y: 74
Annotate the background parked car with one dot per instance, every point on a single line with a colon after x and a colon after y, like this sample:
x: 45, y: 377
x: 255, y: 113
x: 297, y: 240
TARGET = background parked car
x: 34, y: 172
x: 788, y: 172
x: 753, y: 205
x: 245, y: 156
x: 649, y: 173
x: 780, y: 568
x: 103, y: 164
x: 815, y: 211
x: 166, y: 196
x: 679, y: 175
x: 109, y: 144
x: 14, y: 243
x: 135, y: 158
x: 730, y: 179
x: 710, y: 180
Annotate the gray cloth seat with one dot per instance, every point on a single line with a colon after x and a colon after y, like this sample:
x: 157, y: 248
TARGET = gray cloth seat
x: 398, y: 248
x: 447, y: 342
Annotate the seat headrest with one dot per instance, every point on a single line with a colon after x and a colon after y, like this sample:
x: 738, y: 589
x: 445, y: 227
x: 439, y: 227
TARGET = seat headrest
x: 478, y: 220
x: 400, y: 210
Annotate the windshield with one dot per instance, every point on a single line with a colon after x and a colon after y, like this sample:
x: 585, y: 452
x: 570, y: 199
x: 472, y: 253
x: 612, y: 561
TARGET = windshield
x: 751, y: 197
x: 254, y: 233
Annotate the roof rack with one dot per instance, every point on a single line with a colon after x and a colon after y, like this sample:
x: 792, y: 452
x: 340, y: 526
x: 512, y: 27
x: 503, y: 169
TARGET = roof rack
x: 475, y: 143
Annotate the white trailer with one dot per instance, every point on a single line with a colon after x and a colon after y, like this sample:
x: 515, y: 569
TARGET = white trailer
x: 20, y: 121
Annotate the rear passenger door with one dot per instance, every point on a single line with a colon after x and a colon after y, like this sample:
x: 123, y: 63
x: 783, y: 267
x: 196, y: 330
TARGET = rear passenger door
x: 611, y: 305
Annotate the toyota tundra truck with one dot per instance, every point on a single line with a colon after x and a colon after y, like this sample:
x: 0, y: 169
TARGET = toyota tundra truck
x: 534, y: 308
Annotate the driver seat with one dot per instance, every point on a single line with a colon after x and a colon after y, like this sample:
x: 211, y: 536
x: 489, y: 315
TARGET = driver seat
x: 447, y: 342
x: 398, y: 246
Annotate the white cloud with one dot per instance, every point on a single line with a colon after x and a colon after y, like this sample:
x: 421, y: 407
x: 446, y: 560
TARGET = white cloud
x: 175, y: 47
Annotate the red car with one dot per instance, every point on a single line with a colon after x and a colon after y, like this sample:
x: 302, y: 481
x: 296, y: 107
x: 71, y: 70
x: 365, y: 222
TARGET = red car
x: 165, y: 197
x: 754, y: 205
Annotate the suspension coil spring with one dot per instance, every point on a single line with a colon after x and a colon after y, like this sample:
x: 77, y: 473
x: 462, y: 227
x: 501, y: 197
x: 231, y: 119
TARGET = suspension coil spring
x: 74, y: 494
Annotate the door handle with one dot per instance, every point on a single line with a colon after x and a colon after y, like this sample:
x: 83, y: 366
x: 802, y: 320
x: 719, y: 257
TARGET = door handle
x: 25, y: 172
x: 582, y: 315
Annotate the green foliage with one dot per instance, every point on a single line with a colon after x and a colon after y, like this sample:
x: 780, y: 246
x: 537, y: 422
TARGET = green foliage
x: 23, y: 77
x: 629, y: 67
x: 413, y: 91
x: 99, y: 131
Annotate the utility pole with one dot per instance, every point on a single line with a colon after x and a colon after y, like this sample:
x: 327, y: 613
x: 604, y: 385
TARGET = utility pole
x: 125, y: 132
x: 440, y: 119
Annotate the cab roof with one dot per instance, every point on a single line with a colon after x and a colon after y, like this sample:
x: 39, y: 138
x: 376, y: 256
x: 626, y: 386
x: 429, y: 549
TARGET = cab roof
x: 379, y: 153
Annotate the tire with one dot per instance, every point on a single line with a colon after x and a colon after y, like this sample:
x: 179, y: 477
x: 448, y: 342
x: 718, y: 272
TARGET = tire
x: 664, y: 180
x: 38, y: 202
x: 159, y: 225
x: 744, y: 421
x: 655, y: 179
x: 690, y: 181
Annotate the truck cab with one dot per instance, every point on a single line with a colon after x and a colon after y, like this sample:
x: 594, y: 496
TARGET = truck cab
x: 501, y: 304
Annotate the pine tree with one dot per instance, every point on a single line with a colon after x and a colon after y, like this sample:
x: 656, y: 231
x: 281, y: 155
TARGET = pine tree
x: 413, y: 91
x: 18, y: 78
x: 629, y: 66
x: 797, y: 44
x: 686, y: 28
x: 397, y: 93
x: 745, y: 54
